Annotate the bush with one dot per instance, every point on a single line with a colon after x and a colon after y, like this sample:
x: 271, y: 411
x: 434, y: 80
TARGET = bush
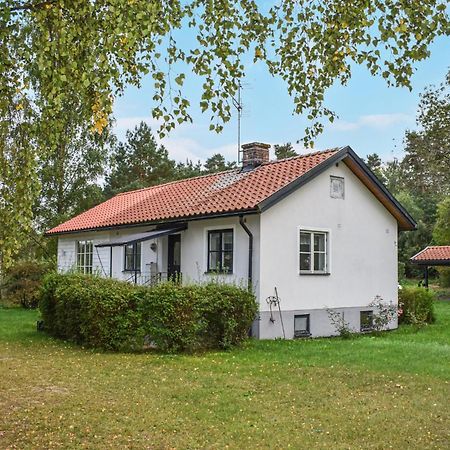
x: 23, y: 280
x: 416, y: 305
x: 113, y: 315
x: 383, y: 313
x: 444, y: 277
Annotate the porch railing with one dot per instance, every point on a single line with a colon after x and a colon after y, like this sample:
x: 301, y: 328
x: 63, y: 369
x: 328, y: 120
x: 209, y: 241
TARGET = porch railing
x: 151, y: 279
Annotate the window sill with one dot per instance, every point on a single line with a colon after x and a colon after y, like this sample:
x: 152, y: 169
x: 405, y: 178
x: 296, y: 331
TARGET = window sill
x: 131, y: 271
x: 315, y: 273
x: 212, y: 272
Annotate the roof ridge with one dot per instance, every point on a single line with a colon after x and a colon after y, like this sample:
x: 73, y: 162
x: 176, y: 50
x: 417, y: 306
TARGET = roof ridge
x: 167, y: 183
x: 304, y: 155
x: 237, y: 169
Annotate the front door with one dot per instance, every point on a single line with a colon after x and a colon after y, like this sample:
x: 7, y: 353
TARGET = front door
x: 174, y: 257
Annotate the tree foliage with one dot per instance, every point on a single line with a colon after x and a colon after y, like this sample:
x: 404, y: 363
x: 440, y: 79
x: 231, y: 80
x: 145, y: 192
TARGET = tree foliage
x: 427, y: 161
x: 51, y: 50
x: 375, y: 164
x: 284, y: 151
x: 139, y: 162
x: 70, y: 172
x: 441, y: 232
x: 217, y: 163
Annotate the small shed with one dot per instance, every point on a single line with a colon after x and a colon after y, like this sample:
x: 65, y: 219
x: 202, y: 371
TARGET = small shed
x: 434, y: 255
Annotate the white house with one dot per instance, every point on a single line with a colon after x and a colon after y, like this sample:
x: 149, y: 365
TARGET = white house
x: 319, y: 231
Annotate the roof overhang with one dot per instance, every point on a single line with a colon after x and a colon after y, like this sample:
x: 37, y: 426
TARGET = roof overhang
x: 421, y: 260
x: 431, y: 262
x: 141, y: 237
x: 367, y: 177
x: 159, y: 223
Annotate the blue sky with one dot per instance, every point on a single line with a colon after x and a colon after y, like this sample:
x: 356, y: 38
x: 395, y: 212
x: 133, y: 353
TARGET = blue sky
x: 372, y: 116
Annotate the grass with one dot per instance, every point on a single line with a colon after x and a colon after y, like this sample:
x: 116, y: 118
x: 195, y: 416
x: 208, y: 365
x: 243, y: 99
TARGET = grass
x: 371, y: 392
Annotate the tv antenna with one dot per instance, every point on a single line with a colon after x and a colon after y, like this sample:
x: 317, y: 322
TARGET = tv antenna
x: 237, y: 103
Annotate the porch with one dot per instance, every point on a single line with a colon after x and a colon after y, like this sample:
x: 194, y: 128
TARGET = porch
x: 146, y: 258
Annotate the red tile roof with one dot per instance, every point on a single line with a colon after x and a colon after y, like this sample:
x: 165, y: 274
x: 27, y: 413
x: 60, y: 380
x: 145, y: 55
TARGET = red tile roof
x: 225, y: 192
x: 433, y: 253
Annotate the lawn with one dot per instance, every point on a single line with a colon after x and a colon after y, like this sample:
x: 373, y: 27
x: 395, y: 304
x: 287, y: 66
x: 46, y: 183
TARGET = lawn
x: 371, y: 392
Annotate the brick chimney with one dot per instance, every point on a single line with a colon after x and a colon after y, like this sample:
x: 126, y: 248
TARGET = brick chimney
x: 254, y: 154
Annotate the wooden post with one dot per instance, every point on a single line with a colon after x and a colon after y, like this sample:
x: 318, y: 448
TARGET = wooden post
x: 426, y: 277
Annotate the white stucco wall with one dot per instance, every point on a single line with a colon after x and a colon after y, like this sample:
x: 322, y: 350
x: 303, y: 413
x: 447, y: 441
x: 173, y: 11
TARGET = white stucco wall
x: 362, y: 246
x: 194, y: 248
x: 193, y: 251
x: 101, y: 255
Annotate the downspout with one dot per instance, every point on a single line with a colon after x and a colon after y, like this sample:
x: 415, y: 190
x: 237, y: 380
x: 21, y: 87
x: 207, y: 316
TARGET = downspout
x: 110, y: 261
x: 250, y: 251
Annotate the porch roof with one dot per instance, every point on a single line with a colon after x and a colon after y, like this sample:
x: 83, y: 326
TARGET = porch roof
x: 143, y: 236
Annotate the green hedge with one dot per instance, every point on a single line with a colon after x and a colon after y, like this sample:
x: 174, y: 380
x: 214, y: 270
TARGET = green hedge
x: 113, y: 315
x: 416, y: 304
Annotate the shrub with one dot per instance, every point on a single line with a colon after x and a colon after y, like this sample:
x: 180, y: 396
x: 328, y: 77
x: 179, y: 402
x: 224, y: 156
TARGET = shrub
x: 23, y: 280
x: 114, y: 315
x: 341, y: 326
x: 228, y: 312
x: 91, y: 311
x: 383, y: 313
x: 416, y: 304
x: 444, y: 277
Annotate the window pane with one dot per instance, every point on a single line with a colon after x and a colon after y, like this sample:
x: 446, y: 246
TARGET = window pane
x: 305, y: 242
x: 228, y: 261
x: 228, y: 241
x: 214, y: 241
x: 177, y: 253
x: 214, y: 261
x: 366, y: 319
x: 319, y: 261
x: 301, y: 323
x: 305, y: 261
x: 319, y: 242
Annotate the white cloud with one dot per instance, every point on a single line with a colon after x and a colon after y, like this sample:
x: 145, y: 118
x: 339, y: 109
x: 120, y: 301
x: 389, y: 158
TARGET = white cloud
x: 182, y: 148
x: 374, y: 121
x: 178, y: 143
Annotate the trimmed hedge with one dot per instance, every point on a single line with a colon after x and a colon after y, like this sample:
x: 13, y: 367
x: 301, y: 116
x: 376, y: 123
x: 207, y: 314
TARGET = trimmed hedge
x: 113, y: 315
x: 416, y: 304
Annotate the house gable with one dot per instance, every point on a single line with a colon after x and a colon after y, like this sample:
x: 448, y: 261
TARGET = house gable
x: 360, y: 169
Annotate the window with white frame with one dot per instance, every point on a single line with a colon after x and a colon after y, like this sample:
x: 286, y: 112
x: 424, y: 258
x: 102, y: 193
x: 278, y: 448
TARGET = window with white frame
x: 313, y: 252
x: 132, y: 257
x: 84, y: 256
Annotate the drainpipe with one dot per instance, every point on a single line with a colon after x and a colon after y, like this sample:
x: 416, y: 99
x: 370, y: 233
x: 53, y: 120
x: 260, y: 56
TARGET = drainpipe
x: 250, y: 251
x: 110, y: 261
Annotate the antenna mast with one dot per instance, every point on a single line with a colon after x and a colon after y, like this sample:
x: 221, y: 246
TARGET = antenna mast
x: 237, y: 103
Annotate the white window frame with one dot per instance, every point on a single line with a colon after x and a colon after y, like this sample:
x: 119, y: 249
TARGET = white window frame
x: 84, y: 268
x: 313, y: 230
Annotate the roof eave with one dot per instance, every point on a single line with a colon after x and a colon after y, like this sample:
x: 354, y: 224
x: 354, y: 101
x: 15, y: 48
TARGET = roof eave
x: 155, y: 222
